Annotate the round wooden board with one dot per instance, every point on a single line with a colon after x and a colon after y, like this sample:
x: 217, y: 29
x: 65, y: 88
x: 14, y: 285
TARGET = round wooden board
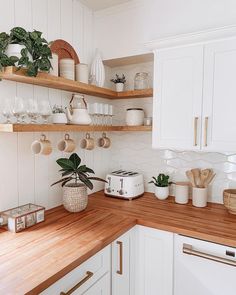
x: 64, y: 50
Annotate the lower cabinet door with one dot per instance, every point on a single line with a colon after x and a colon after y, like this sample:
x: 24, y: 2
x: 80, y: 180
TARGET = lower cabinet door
x: 79, y: 280
x: 155, y: 262
x: 123, y: 264
x: 101, y: 287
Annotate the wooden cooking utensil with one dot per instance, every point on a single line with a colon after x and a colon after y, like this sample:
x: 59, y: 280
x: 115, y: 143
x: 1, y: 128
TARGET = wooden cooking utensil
x: 209, y: 179
x: 196, y: 174
x: 203, y: 176
x: 190, y: 176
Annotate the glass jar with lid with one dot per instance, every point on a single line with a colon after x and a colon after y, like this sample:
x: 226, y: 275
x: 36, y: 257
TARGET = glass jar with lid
x: 141, y: 81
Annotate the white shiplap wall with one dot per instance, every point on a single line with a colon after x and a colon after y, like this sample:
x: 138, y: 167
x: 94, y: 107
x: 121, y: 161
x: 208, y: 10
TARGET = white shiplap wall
x: 24, y: 177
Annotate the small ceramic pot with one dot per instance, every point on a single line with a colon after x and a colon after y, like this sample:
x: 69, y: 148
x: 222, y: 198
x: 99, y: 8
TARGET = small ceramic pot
x: 119, y: 87
x: 199, y: 197
x: 59, y: 118
x: 162, y: 193
x: 181, y: 192
x: 75, y: 197
x: 15, y: 50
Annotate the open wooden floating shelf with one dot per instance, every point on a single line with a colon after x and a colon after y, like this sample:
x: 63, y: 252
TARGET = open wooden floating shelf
x: 46, y: 80
x: 67, y: 128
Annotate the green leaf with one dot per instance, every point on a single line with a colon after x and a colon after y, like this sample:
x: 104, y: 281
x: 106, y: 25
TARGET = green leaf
x: 97, y: 178
x: 68, y: 172
x: 89, y: 170
x: 82, y: 168
x: 75, y: 159
x: 86, y: 181
x: 62, y: 180
x: 66, y: 163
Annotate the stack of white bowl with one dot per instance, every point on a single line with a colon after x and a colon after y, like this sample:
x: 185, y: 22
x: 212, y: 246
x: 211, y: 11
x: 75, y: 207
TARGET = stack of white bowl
x: 67, y: 68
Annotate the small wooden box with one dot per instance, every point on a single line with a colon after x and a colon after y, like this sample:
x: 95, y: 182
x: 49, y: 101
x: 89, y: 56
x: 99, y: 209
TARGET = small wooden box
x: 22, y: 217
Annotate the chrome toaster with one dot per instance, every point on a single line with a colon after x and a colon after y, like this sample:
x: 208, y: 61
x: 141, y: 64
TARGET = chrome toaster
x: 124, y: 184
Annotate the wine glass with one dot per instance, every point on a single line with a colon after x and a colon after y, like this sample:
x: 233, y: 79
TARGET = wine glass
x: 18, y: 109
x: 32, y: 110
x: 7, y: 110
x: 44, y: 110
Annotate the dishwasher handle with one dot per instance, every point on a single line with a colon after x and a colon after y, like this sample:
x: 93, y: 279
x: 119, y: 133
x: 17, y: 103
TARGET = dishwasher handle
x: 188, y: 249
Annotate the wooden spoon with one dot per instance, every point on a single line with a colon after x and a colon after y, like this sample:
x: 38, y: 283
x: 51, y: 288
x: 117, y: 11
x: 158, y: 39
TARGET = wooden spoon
x: 190, y: 176
x: 196, y: 174
x: 209, y: 179
x: 203, y: 176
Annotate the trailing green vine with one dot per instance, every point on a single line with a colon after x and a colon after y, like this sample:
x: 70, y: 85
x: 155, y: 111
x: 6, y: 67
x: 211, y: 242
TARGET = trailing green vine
x: 35, y: 55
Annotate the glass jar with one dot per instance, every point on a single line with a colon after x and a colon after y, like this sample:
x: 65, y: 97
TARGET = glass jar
x: 141, y: 81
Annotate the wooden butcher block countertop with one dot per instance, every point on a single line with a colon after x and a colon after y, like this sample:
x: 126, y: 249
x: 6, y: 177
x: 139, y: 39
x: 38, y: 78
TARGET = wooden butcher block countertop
x: 34, y: 259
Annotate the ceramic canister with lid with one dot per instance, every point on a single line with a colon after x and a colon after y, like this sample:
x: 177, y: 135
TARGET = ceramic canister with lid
x: 134, y: 117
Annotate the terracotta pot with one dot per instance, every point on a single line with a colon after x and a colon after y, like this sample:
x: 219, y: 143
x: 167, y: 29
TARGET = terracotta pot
x: 75, y: 197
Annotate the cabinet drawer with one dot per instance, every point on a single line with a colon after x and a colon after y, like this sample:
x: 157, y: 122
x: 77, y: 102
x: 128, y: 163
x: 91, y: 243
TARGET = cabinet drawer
x: 87, y: 273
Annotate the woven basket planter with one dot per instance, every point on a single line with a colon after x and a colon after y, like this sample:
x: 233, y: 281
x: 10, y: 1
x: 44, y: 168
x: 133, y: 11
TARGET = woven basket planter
x: 230, y: 200
x: 75, y: 197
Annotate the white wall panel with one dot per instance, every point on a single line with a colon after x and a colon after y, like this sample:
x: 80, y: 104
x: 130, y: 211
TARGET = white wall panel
x: 26, y: 177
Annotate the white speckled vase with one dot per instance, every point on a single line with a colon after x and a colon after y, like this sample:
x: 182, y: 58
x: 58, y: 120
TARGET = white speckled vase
x: 75, y: 197
x: 98, y: 70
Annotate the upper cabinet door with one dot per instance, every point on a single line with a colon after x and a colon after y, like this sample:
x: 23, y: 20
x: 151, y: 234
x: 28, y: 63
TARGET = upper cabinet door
x: 219, y: 97
x: 177, y: 105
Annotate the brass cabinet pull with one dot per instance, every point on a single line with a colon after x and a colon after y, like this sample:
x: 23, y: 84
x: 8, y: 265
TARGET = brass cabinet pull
x: 120, y: 271
x: 205, y: 131
x: 195, y: 131
x: 89, y: 274
x: 188, y: 249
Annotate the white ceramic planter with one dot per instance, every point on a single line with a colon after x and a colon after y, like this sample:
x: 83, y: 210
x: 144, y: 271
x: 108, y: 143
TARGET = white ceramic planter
x: 199, y: 197
x: 59, y: 118
x: 15, y: 50
x: 119, y: 87
x: 162, y: 193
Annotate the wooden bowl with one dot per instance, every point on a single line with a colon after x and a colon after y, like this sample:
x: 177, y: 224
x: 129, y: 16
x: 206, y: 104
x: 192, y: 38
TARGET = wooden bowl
x: 230, y: 200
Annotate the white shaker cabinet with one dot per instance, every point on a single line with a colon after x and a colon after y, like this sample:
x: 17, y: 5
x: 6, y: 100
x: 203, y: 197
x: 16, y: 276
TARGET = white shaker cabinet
x: 178, y: 98
x: 219, y: 96
x: 195, y: 97
x: 123, y: 264
x: 154, y: 262
x: 203, y: 268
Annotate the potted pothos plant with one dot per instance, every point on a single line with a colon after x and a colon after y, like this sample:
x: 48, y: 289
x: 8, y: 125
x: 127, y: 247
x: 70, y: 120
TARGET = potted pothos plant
x: 119, y: 82
x: 75, y: 181
x: 161, y: 183
x: 25, y: 49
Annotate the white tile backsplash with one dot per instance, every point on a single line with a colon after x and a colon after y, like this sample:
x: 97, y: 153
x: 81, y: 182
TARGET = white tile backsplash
x: 133, y: 150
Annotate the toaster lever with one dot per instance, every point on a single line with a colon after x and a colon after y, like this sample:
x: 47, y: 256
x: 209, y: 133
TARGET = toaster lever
x: 121, y: 191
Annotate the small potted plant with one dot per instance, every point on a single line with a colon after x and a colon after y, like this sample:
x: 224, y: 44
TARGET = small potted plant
x: 75, y: 181
x: 21, y: 48
x: 58, y: 115
x: 119, y: 82
x: 161, y: 183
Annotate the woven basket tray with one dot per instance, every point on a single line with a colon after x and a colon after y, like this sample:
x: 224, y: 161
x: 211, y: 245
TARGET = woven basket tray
x: 230, y: 200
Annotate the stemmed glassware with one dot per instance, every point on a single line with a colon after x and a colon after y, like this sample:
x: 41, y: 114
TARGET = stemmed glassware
x: 7, y: 110
x: 33, y: 110
x: 18, y: 109
x: 44, y: 110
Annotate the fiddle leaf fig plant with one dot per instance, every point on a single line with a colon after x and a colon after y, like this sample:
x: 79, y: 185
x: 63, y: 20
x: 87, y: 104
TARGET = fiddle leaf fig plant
x: 72, y: 170
x: 161, y: 180
x: 35, y: 46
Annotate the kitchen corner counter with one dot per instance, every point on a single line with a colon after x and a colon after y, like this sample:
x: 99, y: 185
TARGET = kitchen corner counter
x: 34, y: 259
